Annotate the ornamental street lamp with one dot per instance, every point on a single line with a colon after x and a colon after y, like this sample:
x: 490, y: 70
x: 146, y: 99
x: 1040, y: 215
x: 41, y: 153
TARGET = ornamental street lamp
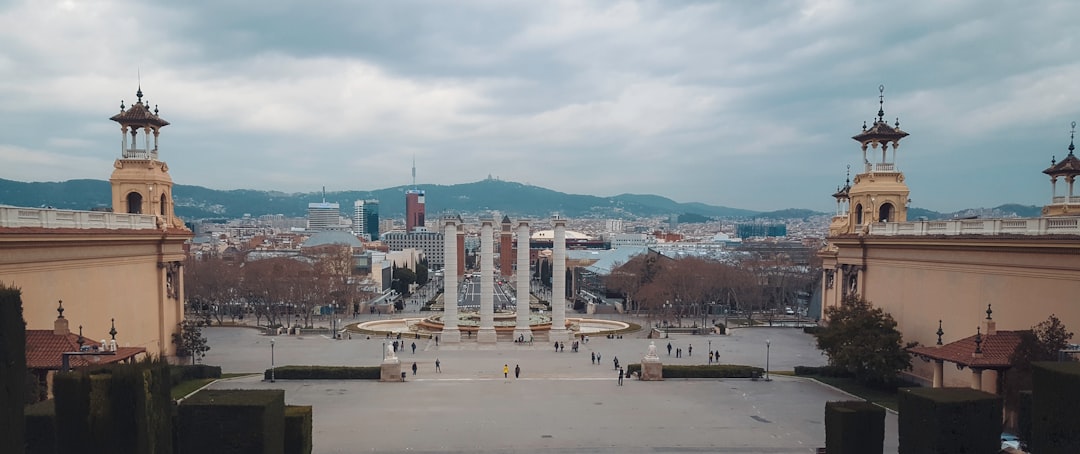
x: 271, y: 360
x: 768, y: 347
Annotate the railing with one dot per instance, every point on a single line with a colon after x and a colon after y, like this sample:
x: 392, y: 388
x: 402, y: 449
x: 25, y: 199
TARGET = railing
x: 1063, y: 199
x: 49, y: 218
x: 884, y: 167
x: 1035, y: 226
x: 140, y: 153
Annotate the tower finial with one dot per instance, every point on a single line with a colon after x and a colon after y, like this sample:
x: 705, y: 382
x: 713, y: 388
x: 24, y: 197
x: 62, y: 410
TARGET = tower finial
x: 978, y: 340
x: 60, y: 308
x: 881, y: 103
x: 989, y: 312
x: 1072, y: 133
x: 112, y: 332
x: 940, y: 332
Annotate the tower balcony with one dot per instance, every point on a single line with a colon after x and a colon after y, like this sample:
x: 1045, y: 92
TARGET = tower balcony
x: 48, y: 218
x: 1034, y: 226
x: 140, y: 153
x: 1066, y: 200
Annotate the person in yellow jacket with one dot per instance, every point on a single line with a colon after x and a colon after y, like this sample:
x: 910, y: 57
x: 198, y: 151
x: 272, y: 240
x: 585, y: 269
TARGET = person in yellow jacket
x: 506, y: 371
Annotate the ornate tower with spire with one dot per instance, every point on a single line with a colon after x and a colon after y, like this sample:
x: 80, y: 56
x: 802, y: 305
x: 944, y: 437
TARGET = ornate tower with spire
x: 140, y: 182
x: 879, y: 193
x: 1067, y: 169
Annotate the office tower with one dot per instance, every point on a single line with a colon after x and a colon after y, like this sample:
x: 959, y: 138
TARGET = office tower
x: 323, y: 216
x: 366, y: 218
x: 414, y: 210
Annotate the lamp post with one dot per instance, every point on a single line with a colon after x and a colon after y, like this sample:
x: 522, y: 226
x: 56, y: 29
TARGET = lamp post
x: 271, y: 360
x: 768, y: 347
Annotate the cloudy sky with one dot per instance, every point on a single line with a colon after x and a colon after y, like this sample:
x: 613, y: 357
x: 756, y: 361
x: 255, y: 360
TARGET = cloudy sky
x: 749, y: 104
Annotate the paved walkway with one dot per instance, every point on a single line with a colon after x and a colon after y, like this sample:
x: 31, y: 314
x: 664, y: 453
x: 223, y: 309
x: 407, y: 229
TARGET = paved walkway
x: 561, y: 403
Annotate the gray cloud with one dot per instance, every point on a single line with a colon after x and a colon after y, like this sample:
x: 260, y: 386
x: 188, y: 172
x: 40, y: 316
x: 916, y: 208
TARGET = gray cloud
x: 746, y: 104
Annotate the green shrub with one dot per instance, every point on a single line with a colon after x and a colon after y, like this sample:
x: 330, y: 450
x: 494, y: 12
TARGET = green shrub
x: 298, y: 429
x: 232, y: 422
x: 949, y: 420
x: 183, y: 373
x: 13, y: 363
x: 700, y: 371
x: 811, y: 329
x: 632, y: 369
x: 824, y: 371
x: 71, y: 393
x: 324, y: 373
x: 854, y: 427
x: 1055, y: 396
x: 1023, y: 415
x: 41, y: 427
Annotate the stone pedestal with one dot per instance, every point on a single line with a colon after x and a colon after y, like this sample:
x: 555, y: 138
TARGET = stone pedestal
x: 651, y: 370
x: 391, y: 371
x: 487, y: 336
x: 452, y: 336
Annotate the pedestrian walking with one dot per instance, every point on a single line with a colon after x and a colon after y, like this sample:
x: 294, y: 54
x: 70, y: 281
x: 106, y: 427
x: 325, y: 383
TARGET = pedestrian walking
x: 436, y: 341
x: 710, y: 357
x: 506, y: 371
x: 598, y: 358
x: 556, y: 347
x: 620, y: 377
x: 414, y: 368
x: 593, y: 355
x: 517, y: 371
x: 669, y: 348
x: 438, y: 366
x: 414, y: 348
x: 690, y: 350
x: 616, y: 362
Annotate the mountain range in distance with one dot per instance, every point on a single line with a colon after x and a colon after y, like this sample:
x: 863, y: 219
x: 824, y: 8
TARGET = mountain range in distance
x: 510, y: 198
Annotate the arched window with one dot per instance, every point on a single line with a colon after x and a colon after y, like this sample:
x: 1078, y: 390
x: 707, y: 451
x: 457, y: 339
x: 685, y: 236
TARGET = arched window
x: 885, y: 213
x: 163, y: 200
x: 858, y: 214
x: 134, y: 203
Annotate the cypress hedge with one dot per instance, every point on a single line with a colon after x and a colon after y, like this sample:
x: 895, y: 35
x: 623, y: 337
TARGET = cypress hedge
x: 854, y: 427
x: 949, y: 420
x: 233, y: 422
x: 13, y: 363
x: 183, y: 373
x: 1055, y: 400
x: 701, y: 371
x: 41, y: 428
x: 324, y: 373
x: 71, y: 391
x: 298, y: 429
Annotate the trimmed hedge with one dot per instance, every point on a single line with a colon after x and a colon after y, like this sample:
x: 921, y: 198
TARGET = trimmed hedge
x: 1056, y: 395
x: 812, y: 329
x: 233, y: 422
x: 41, y: 428
x: 180, y: 374
x: 824, y: 371
x: 699, y: 371
x: 854, y: 427
x: 949, y: 420
x: 13, y: 363
x: 324, y: 373
x: 118, y: 408
x: 1023, y: 415
x: 298, y: 429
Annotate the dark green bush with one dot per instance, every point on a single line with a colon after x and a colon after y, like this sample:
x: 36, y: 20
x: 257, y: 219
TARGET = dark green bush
x: 13, y: 363
x: 949, y: 420
x: 324, y: 373
x: 72, y: 403
x: 811, y: 329
x: 298, y: 429
x: 701, y: 371
x: 632, y: 369
x: 41, y: 428
x: 854, y: 427
x: 1023, y: 415
x: 232, y: 422
x: 824, y: 371
x: 1055, y: 396
x: 183, y: 373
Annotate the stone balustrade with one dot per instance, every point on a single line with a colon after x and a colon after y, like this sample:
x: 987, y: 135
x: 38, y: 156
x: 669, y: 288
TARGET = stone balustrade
x: 48, y: 218
x: 1032, y: 226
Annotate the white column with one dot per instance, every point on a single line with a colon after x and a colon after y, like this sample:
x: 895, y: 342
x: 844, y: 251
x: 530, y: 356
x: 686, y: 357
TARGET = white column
x: 976, y: 378
x: 939, y: 373
x: 450, y: 332
x: 522, y: 329
x: 486, y: 333
x: 989, y: 382
x: 558, y: 283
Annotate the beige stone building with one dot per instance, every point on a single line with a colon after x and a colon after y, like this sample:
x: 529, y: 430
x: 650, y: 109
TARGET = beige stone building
x: 926, y: 272
x: 123, y: 267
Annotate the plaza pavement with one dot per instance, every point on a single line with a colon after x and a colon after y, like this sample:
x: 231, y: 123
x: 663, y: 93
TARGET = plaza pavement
x: 561, y: 403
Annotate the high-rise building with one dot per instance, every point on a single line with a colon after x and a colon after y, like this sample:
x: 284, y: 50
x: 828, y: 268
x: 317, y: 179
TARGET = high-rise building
x: 414, y: 210
x: 366, y: 218
x: 323, y: 216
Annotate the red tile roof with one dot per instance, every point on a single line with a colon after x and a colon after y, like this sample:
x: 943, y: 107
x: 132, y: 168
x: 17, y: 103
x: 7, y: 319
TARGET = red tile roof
x: 44, y: 350
x: 997, y: 349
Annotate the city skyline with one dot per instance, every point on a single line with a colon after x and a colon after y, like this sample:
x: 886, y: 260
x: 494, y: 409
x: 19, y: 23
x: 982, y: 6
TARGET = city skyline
x: 733, y: 104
